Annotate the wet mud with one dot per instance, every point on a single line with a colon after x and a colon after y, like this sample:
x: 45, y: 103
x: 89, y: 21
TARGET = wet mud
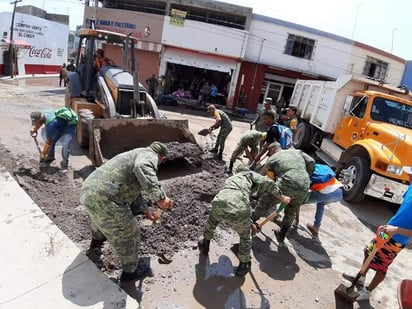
x: 191, y: 177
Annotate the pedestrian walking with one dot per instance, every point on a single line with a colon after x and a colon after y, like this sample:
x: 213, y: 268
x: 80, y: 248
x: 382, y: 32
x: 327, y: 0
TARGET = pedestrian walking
x: 61, y: 75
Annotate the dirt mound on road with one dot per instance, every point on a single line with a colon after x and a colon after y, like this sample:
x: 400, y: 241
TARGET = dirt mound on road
x: 190, y: 180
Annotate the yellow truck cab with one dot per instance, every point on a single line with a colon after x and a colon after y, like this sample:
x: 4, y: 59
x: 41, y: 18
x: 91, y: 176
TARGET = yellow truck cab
x: 361, y: 127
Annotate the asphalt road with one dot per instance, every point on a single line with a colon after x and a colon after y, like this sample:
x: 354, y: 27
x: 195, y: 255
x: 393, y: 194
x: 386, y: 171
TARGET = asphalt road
x: 312, y: 267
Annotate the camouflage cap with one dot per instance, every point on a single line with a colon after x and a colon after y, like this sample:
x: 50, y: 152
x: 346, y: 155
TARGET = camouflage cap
x: 35, y: 118
x: 211, y: 107
x: 159, y: 148
x: 241, y: 168
x: 275, y: 145
x: 268, y: 100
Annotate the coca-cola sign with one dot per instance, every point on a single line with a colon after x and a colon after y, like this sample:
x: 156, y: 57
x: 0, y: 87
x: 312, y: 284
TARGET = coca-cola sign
x: 40, y: 52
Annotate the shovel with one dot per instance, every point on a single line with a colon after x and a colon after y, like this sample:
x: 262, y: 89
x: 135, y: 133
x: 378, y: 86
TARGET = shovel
x: 37, y: 144
x: 204, y: 132
x: 348, y: 293
x: 257, y: 228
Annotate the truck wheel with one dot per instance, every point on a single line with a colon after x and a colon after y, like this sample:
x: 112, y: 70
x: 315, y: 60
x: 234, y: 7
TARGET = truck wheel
x: 355, y: 178
x: 303, y: 136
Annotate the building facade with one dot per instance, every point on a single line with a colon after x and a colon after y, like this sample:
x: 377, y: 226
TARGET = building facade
x: 39, y: 38
x: 187, y: 43
x: 279, y: 52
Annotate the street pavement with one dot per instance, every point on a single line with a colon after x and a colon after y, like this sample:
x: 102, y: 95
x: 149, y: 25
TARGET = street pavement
x: 42, y: 268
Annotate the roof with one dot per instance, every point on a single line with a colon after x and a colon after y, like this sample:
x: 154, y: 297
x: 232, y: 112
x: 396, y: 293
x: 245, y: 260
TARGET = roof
x: 301, y: 28
x: 19, y: 43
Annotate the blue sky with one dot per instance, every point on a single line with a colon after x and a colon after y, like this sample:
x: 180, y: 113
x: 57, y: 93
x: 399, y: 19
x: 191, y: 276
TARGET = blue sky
x: 379, y: 23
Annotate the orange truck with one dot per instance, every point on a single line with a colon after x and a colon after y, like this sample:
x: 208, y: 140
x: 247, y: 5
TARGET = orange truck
x: 362, y: 128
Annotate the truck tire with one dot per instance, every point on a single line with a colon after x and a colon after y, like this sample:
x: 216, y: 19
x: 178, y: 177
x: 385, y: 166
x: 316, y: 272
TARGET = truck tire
x: 357, y: 175
x: 303, y: 136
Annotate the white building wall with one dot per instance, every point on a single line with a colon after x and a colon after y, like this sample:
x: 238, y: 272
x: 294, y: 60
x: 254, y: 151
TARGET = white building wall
x: 330, y: 56
x: 207, y: 38
x: 358, y: 59
x: 47, y: 39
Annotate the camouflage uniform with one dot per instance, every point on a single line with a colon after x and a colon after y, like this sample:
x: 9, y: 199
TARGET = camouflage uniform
x: 292, y: 169
x: 108, y: 193
x: 232, y: 205
x: 225, y: 129
x: 258, y: 122
x: 249, y: 139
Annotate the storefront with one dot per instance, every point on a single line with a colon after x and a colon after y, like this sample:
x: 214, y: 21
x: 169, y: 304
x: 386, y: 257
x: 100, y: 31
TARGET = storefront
x: 189, y: 70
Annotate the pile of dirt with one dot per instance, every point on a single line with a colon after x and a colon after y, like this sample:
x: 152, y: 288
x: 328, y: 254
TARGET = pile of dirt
x: 57, y: 194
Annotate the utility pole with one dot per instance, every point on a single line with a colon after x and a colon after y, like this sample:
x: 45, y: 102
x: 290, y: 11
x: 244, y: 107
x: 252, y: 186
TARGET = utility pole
x: 356, y: 19
x: 11, y: 45
x: 258, y: 62
x: 393, y: 35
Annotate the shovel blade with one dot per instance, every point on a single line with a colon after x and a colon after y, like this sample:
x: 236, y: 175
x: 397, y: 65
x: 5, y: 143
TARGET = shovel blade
x: 346, y: 293
x: 204, y: 132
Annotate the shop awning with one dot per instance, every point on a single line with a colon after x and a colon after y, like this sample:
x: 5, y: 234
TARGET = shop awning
x: 19, y: 43
x: 198, y: 60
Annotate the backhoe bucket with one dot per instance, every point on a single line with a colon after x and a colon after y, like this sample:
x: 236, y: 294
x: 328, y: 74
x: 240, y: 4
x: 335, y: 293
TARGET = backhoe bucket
x: 109, y: 137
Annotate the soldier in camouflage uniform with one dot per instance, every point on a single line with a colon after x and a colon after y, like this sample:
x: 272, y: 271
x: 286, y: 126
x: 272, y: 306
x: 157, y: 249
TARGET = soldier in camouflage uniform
x: 249, y: 139
x: 232, y: 205
x: 258, y: 121
x: 291, y: 170
x: 107, y: 195
x: 223, y: 121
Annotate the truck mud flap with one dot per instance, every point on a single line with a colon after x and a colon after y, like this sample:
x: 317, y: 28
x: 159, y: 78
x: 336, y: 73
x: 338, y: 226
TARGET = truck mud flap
x: 109, y: 137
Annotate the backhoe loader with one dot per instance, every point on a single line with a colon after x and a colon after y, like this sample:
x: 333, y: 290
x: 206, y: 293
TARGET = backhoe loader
x: 115, y: 111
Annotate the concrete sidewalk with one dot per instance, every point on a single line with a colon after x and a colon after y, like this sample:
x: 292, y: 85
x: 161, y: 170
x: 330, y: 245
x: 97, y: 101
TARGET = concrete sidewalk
x: 41, y: 267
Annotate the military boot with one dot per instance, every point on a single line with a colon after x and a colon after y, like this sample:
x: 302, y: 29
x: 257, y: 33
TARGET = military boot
x: 95, y: 250
x: 140, y: 272
x: 243, y: 268
x: 204, y: 245
x: 280, y: 236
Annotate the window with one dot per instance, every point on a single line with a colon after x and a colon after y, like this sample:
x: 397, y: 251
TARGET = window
x: 389, y: 111
x: 4, y: 34
x: 358, y: 106
x: 299, y: 46
x: 375, y: 68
